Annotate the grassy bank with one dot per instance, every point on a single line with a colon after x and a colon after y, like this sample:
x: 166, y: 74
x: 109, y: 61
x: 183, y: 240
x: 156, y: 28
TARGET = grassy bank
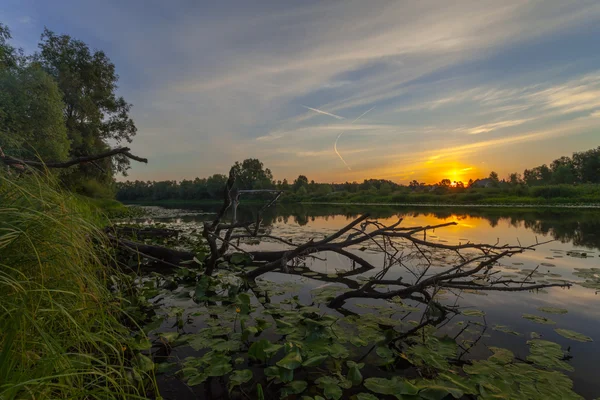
x: 61, y: 328
x: 520, y: 195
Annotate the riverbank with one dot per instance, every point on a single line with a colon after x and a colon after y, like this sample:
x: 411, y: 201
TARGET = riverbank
x: 65, y: 331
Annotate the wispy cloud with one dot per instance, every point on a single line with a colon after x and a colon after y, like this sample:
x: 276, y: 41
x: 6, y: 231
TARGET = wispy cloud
x: 495, y: 125
x: 235, y: 80
x: 323, y: 112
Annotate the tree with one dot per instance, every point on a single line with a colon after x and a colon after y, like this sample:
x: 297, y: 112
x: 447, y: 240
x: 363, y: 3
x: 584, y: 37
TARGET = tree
x: 8, y: 54
x: 31, y: 117
x: 250, y: 174
x: 563, y: 174
x: 301, y: 182
x: 514, y: 178
x: 587, y: 165
x: 93, y: 113
x: 215, y: 185
x: 445, y: 183
x: 494, y: 178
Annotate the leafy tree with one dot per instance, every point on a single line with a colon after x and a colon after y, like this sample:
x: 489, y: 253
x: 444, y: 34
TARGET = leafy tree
x: 215, y: 185
x: 300, y: 182
x: 250, y: 174
x: 563, y: 174
x: 445, y: 183
x: 494, y: 178
x: 94, y: 115
x: 587, y: 165
x: 8, y: 54
x: 31, y: 120
x: 514, y: 178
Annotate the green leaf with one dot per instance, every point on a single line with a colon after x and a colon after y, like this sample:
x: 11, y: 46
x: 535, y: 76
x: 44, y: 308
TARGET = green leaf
x: 291, y: 361
x: 473, y: 313
x: 547, y: 354
x: 366, y: 396
x: 239, y: 377
x: 553, y: 310
x: 538, y: 319
x: 395, y: 386
x: 197, y: 379
x: 144, y: 363
x: 294, y: 387
x: 169, y: 336
x: 314, y: 361
x: 501, y: 356
x: 285, y: 375
x: 260, y: 395
x: 573, y: 335
x: 263, y: 349
x: 332, y: 391
x: 354, y: 375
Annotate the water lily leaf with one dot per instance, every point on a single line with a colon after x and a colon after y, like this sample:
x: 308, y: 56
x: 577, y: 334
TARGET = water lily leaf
x: 314, y: 361
x: 366, y: 396
x: 545, y: 264
x: 538, y: 319
x: 263, y: 349
x: 354, y: 375
x: 285, y: 375
x: 395, y: 386
x: 535, y: 335
x: 547, y: 354
x: 144, y: 363
x: 473, y: 313
x: 294, y: 387
x: 553, y: 310
x: 239, y: 377
x: 197, y: 379
x: 501, y: 356
x: 439, y: 391
x: 169, y: 336
x: 573, y: 335
x: 506, y: 329
x: 291, y: 361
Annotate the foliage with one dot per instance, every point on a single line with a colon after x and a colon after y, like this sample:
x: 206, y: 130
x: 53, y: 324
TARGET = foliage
x: 61, y: 329
x: 31, y: 119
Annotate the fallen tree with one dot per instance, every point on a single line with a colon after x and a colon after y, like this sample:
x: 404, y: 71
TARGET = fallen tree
x: 474, y: 267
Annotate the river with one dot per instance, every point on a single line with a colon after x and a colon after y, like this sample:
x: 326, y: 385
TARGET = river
x: 576, y: 244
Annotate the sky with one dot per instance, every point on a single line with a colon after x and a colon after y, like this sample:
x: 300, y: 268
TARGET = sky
x: 343, y: 90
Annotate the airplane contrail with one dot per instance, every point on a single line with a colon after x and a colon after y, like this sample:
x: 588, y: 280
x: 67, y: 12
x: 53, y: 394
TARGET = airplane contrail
x: 323, y: 112
x: 340, y: 135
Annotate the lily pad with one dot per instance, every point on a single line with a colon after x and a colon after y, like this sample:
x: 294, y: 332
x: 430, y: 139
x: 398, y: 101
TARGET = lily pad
x: 553, y: 310
x: 573, y: 335
x: 473, y: 313
x: 538, y: 319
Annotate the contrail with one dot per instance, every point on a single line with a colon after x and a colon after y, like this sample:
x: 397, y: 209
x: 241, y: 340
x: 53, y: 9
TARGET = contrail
x: 340, y: 135
x: 324, y: 112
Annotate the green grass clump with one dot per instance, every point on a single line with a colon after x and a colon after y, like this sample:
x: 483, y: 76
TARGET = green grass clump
x: 61, y: 331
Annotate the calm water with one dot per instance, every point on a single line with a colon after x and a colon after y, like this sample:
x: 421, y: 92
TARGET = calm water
x: 572, y: 229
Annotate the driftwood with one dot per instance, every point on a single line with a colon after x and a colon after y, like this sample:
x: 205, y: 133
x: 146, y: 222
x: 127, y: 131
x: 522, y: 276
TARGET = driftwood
x: 473, y: 267
x: 13, y: 161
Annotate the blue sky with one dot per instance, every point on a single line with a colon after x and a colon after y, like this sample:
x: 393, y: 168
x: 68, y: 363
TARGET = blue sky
x: 452, y: 89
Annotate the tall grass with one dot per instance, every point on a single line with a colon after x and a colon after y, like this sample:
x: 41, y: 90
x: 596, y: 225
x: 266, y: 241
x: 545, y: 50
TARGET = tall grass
x: 61, y: 332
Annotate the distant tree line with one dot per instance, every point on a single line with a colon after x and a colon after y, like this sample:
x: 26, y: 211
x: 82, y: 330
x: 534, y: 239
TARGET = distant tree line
x: 583, y: 167
x: 61, y: 103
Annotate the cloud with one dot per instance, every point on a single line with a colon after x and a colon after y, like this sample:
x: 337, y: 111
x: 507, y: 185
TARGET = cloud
x: 214, y: 85
x: 495, y: 125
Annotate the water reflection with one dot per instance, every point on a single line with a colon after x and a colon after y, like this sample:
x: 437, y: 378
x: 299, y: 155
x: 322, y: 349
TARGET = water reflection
x: 581, y: 227
x: 573, y: 229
